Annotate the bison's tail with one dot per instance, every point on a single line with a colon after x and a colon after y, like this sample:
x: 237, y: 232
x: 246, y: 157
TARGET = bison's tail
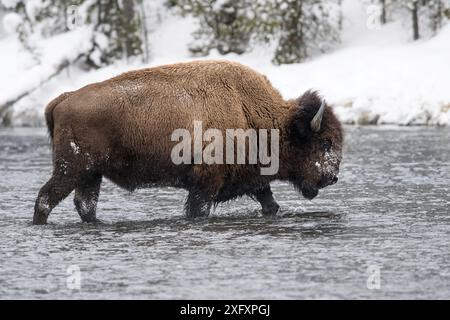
x: 49, y: 111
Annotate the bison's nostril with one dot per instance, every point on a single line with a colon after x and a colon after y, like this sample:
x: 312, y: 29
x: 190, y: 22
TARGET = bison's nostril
x: 335, y: 179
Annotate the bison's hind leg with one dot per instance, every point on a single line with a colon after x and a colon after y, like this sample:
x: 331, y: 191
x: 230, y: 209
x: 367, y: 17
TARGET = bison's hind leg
x: 53, y: 192
x: 72, y: 169
x: 86, y: 196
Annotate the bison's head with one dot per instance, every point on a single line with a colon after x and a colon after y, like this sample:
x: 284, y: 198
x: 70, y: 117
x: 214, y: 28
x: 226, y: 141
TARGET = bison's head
x: 314, y: 145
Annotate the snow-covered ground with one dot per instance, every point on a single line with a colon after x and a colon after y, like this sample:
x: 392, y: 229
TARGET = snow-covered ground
x: 377, y: 75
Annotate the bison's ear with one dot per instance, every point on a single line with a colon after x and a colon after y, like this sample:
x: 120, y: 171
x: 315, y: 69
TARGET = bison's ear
x: 306, y: 117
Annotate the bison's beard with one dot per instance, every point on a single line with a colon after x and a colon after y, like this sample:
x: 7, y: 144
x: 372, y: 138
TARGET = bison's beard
x: 308, y: 191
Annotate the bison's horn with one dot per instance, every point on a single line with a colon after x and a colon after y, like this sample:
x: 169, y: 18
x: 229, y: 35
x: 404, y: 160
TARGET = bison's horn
x: 317, y: 120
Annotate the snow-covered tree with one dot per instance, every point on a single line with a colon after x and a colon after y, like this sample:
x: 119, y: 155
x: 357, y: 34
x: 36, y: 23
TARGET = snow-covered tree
x: 298, y: 27
x: 303, y: 27
x: 115, y: 24
x: 439, y: 13
x: 225, y: 25
x: 425, y: 16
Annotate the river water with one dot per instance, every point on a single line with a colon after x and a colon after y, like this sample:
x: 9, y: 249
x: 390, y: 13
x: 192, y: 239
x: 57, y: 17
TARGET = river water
x: 383, y: 231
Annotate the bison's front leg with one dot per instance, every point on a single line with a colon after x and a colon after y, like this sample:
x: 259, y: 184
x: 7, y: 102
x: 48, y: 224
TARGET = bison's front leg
x: 198, y: 203
x: 86, y: 197
x: 268, y: 203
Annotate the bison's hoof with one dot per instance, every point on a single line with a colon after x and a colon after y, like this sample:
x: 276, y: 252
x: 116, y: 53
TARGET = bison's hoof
x: 271, y: 210
x: 39, y: 220
x: 90, y: 219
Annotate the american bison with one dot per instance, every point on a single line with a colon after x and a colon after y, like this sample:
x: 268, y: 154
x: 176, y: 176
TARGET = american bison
x: 121, y: 129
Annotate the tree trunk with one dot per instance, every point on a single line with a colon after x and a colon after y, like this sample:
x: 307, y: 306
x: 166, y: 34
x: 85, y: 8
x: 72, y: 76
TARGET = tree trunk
x: 415, y: 20
x: 438, y: 19
x: 383, y: 12
x: 145, y: 32
x: 128, y: 16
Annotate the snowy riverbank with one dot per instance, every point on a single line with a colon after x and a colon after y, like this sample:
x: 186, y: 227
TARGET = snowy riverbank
x: 374, y: 77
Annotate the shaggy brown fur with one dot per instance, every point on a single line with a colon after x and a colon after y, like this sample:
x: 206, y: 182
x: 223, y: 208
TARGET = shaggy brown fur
x: 121, y: 128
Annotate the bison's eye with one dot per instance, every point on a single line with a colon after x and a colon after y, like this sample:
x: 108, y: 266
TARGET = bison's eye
x: 326, y: 144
